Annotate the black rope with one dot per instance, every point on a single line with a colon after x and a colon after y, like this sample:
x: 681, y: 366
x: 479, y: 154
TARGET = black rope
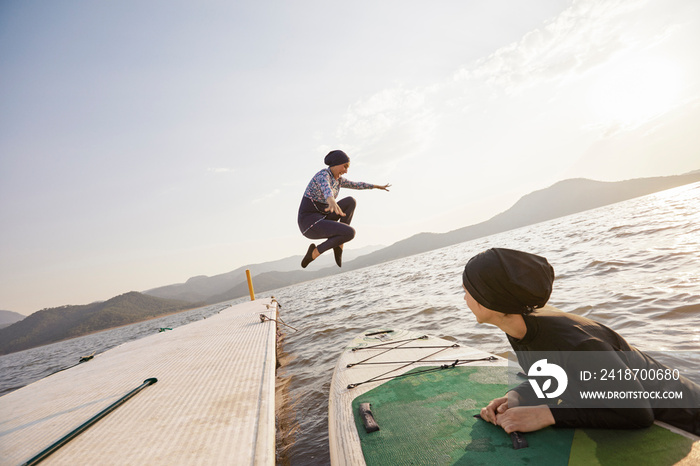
x: 457, y: 362
x: 87, y: 358
x: 424, y: 337
x: 432, y: 369
x: 418, y: 347
x: 377, y: 378
x: 263, y: 318
x: 405, y: 342
x: 83, y: 359
x: 381, y: 332
x: 78, y: 430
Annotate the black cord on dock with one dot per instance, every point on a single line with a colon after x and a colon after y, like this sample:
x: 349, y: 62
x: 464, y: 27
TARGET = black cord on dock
x: 80, y: 429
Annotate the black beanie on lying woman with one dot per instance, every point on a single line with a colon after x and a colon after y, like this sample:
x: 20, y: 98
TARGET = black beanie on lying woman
x: 509, y: 281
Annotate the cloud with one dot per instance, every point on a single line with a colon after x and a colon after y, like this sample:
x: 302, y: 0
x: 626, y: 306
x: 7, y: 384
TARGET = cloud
x: 397, y: 122
x: 539, y: 78
x: 583, y: 36
x: 220, y: 170
x: 378, y: 114
x: 266, y: 197
x: 388, y: 126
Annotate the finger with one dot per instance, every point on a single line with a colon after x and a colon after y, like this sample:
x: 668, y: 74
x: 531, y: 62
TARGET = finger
x: 509, y: 426
x: 488, y: 415
x: 504, y: 422
x: 484, y: 413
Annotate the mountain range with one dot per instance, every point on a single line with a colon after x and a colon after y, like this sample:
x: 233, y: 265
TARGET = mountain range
x: 8, y: 318
x: 561, y: 199
x: 61, y: 323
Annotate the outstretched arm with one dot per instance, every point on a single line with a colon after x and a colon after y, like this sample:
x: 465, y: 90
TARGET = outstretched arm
x: 345, y: 183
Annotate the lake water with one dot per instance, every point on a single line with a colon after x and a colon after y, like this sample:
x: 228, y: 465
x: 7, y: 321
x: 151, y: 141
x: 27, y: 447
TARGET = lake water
x: 632, y: 266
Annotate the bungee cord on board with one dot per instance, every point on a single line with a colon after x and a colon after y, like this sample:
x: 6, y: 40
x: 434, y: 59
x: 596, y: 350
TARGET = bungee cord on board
x: 403, y: 342
x: 374, y: 379
x: 423, y: 337
x: 453, y: 362
x: 381, y: 377
x: 383, y: 346
x: 457, y: 362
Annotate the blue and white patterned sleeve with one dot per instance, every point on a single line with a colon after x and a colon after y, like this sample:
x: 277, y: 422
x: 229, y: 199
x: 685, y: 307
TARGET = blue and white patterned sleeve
x: 355, y: 184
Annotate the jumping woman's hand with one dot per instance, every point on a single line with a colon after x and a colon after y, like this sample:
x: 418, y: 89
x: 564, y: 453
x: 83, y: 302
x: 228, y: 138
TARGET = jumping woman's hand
x: 333, y: 207
x: 383, y: 188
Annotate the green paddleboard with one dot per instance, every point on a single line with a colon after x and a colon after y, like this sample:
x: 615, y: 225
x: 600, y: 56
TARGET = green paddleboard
x: 426, y: 415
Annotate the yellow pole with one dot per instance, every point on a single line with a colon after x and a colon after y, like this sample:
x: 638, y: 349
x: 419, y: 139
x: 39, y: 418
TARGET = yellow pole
x: 250, y: 285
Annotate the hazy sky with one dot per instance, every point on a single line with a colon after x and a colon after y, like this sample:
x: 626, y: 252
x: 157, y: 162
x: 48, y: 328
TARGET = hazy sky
x: 145, y: 142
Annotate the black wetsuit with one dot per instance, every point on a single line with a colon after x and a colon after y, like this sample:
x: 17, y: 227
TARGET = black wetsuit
x: 561, y: 337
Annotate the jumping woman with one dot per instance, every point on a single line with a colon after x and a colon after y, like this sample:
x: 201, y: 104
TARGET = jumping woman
x: 320, y: 216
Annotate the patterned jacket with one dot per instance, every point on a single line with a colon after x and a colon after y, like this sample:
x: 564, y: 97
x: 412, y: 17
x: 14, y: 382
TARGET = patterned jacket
x: 324, y: 185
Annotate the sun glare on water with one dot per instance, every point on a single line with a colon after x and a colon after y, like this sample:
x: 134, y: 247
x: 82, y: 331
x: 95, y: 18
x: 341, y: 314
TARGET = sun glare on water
x: 628, y: 94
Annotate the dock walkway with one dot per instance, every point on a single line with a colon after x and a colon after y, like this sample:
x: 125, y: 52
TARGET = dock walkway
x: 213, y: 403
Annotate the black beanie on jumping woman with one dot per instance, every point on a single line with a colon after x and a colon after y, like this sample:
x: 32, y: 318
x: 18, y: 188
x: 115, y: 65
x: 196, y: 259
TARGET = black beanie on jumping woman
x: 509, y: 281
x: 336, y: 157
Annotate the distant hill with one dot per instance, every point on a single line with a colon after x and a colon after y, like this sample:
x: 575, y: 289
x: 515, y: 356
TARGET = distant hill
x: 563, y: 198
x: 60, y: 323
x: 8, y: 318
x: 203, y: 288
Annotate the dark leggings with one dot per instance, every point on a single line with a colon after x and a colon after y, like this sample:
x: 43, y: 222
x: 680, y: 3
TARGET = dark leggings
x: 315, y: 223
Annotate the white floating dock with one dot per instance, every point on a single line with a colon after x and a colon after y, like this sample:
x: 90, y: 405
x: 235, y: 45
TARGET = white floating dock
x: 213, y: 403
